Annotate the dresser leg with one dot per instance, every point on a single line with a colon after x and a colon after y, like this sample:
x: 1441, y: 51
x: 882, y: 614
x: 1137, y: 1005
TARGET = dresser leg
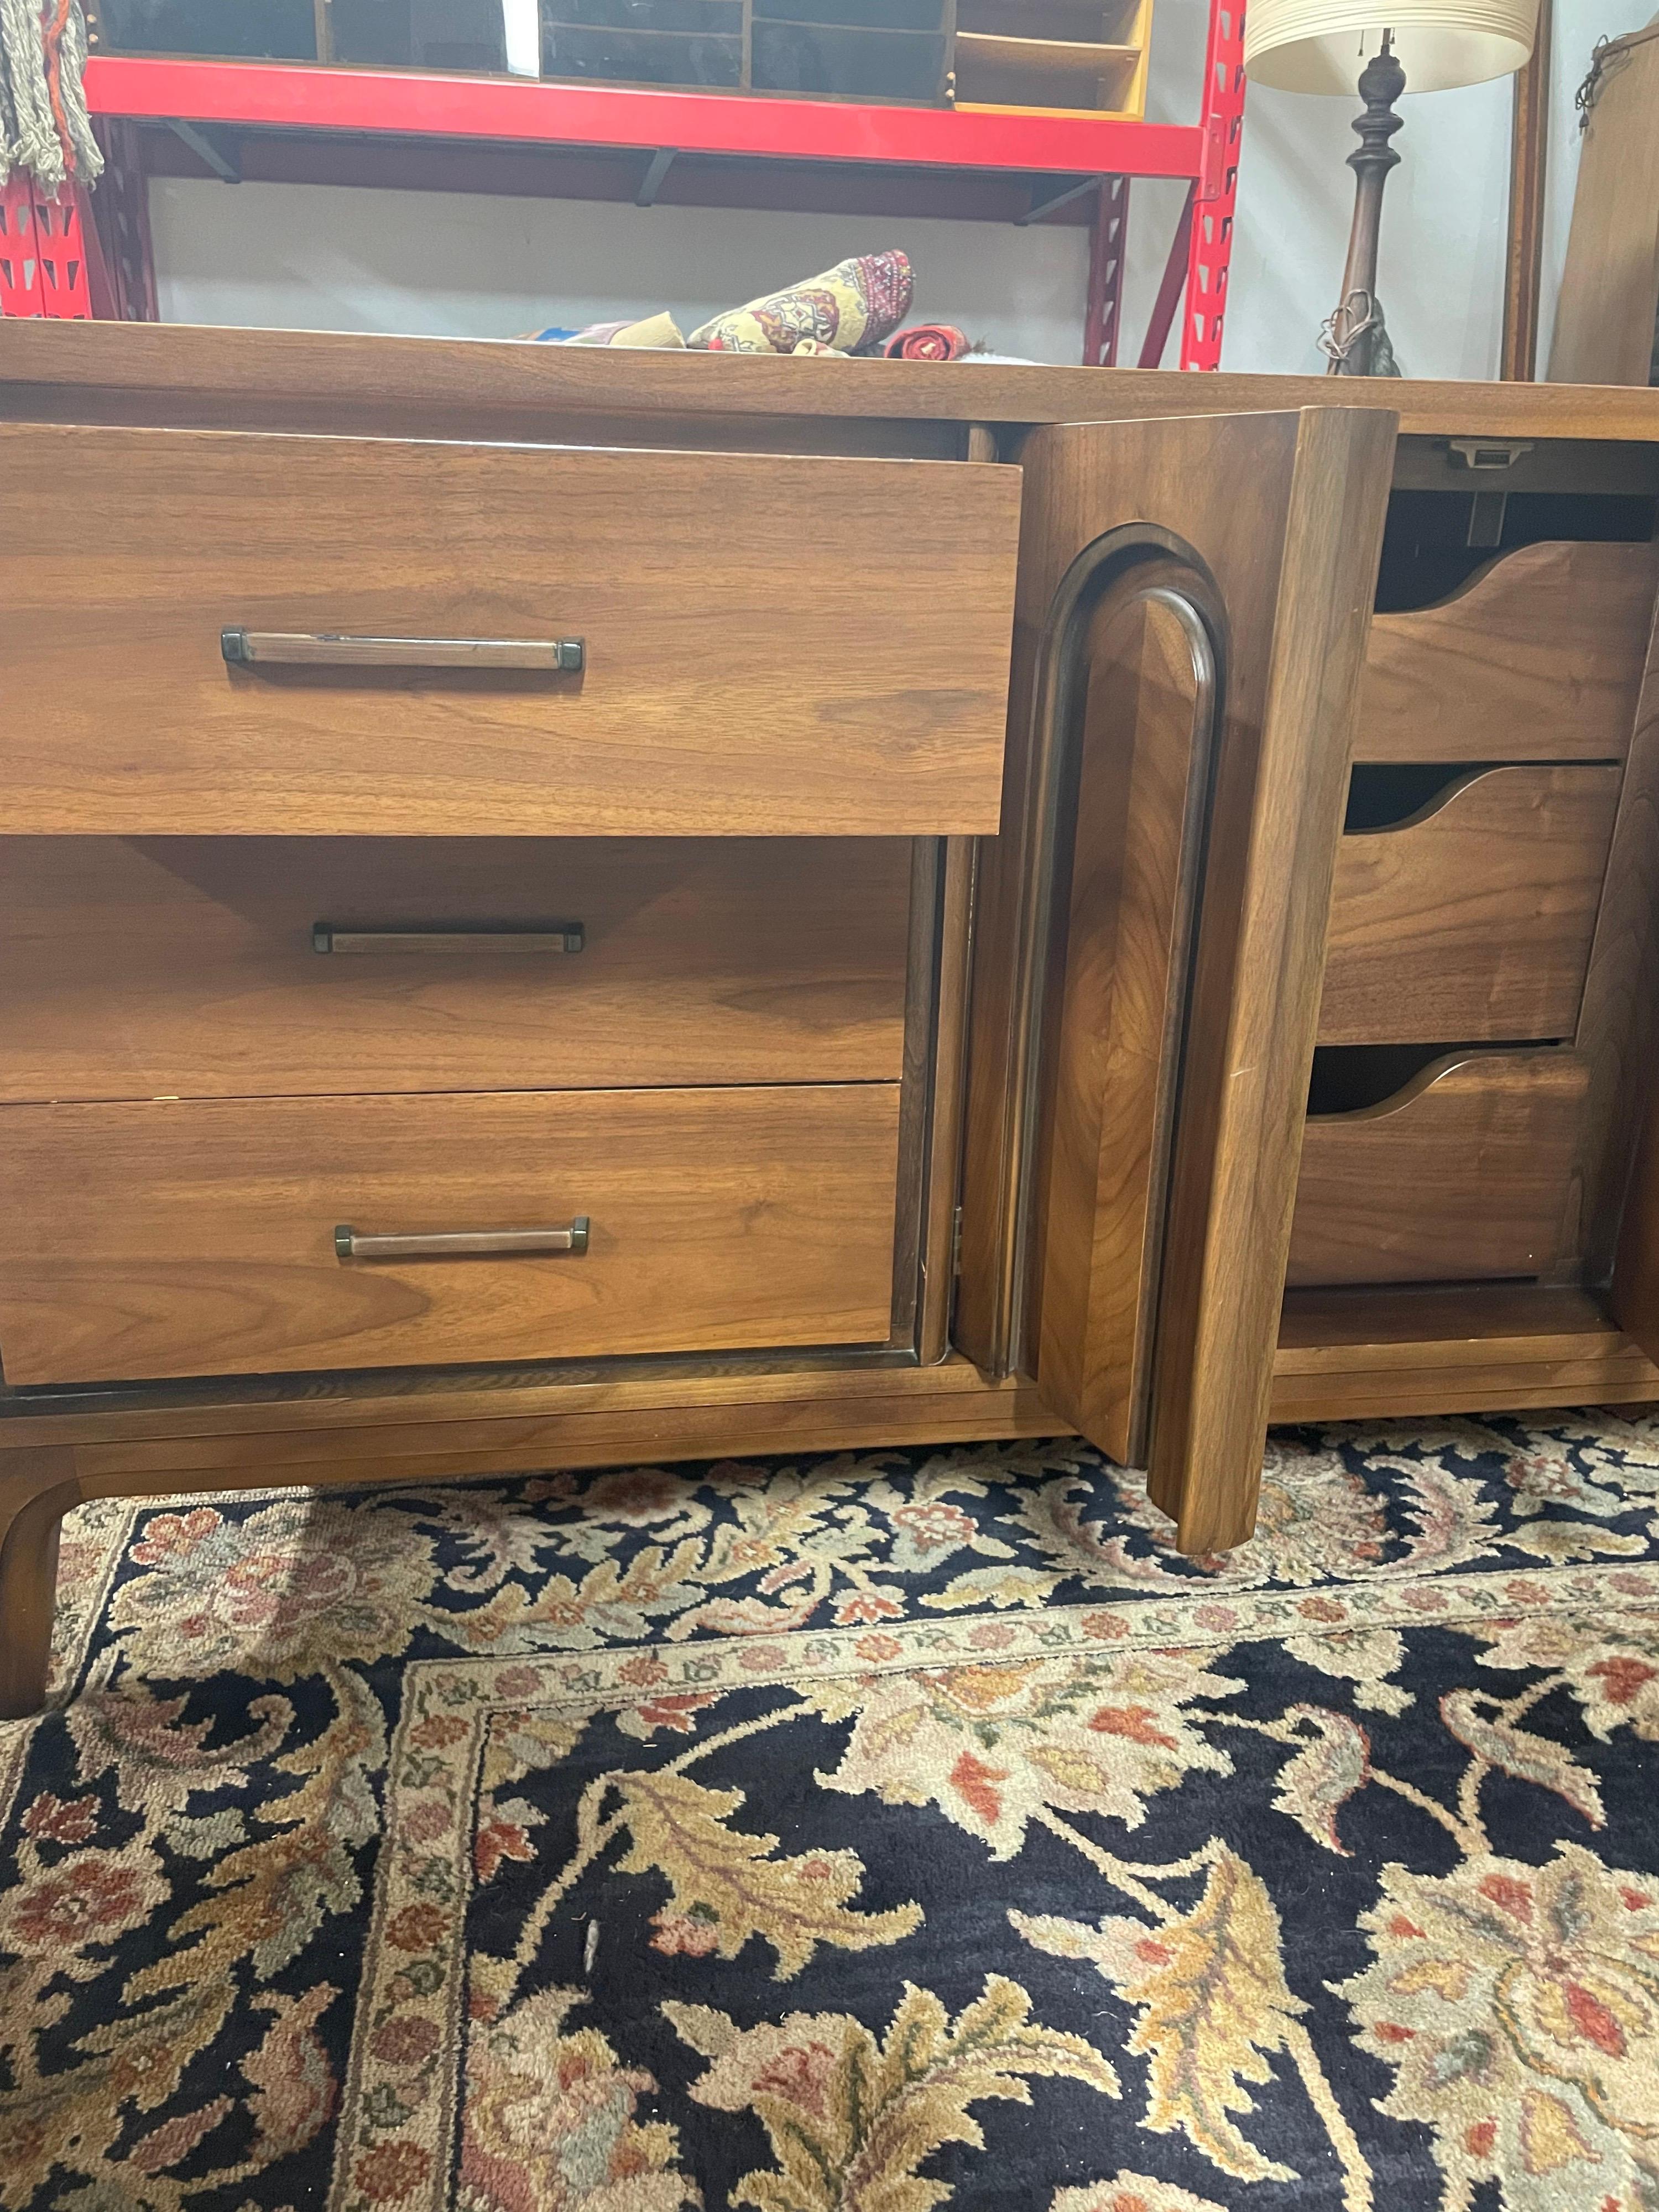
x: 37, y: 1487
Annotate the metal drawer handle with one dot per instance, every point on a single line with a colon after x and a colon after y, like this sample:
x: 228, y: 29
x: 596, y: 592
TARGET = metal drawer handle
x: 460, y: 1242
x: 263, y: 649
x: 566, y: 937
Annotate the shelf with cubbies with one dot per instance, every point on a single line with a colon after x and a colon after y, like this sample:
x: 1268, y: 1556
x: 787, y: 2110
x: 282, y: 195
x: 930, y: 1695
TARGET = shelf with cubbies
x: 1077, y: 57
x: 1060, y: 57
x: 887, y: 50
x: 991, y: 111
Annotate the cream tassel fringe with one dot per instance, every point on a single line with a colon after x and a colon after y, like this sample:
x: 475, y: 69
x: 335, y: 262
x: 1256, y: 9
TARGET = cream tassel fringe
x: 29, y: 138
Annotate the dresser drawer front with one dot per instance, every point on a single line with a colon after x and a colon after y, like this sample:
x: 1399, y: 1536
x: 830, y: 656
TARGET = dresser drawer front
x: 1539, y: 657
x: 1462, y: 1177
x: 769, y: 646
x: 199, y: 1237
x: 188, y: 967
x: 1473, y: 918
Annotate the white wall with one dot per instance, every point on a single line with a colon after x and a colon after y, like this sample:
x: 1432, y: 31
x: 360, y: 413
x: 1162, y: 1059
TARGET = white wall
x: 458, y: 264
x: 325, y: 257
x: 1440, y: 271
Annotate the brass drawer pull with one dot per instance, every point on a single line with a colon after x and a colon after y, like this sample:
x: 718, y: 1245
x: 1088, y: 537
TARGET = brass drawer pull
x: 270, y: 648
x: 566, y: 937
x: 460, y: 1243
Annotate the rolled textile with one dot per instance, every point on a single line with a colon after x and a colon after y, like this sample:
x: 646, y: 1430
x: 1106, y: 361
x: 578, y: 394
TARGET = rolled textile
x: 928, y: 342
x: 851, y: 309
x: 656, y: 332
x: 660, y: 331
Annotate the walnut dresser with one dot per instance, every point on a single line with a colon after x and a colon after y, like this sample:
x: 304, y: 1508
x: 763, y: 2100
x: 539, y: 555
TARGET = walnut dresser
x: 559, y: 908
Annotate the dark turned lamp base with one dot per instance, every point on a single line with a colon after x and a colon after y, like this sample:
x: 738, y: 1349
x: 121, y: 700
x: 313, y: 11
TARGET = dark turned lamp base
x: 1353, y: 337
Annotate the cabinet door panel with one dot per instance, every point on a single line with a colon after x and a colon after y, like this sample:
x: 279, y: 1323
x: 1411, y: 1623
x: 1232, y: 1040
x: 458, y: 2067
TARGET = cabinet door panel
x: 1107, y: 1108
x: 1152, y: 931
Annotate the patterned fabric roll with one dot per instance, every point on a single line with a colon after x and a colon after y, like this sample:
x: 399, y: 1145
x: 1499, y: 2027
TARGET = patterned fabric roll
x: 851, y: 309
x: 928, y: 342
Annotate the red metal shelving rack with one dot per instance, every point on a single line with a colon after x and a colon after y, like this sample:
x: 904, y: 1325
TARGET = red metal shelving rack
x: 295, y: 118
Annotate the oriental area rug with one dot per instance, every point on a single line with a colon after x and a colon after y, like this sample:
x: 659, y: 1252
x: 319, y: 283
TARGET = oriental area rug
x: 863, y: 1833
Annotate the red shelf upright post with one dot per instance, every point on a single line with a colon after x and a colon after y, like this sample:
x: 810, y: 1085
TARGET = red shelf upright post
x: 43, y: 253
x: 1108, y: 244
x: 1209, y: 246
x: 120, y: 212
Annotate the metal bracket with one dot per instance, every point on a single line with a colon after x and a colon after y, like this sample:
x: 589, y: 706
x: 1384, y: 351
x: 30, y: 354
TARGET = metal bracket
x: 1063, y: 197
x: 223, y: 154
x: 1488, y: 512
x: 1486, y: 452
x: 652, y: 183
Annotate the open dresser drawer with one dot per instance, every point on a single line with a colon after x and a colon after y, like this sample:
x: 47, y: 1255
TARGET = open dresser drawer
x: 1471, y: 919
x: 1537, y: 657
x: 1460, y: 1175
x: 339, y: 636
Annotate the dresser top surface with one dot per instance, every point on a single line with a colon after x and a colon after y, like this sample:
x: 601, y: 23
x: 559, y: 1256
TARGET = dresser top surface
x: 259, y: 366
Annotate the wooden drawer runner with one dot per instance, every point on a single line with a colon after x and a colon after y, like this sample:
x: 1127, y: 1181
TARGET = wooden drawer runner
x: 134, y: 968
x: 1473, y: 918
x: 200, y: 1238
x: 771, y: 646
x: 1460, y: 1176
x: 1539, y: 657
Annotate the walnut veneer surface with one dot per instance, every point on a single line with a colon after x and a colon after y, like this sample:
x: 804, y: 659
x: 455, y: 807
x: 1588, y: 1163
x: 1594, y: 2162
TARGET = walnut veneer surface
x: 677, y: 941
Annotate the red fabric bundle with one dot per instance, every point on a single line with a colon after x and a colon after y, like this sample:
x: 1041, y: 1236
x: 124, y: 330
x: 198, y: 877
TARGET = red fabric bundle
x: 928, y: 342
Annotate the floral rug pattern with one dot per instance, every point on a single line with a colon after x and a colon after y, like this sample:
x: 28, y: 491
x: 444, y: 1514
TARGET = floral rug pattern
x: 862, y: 1833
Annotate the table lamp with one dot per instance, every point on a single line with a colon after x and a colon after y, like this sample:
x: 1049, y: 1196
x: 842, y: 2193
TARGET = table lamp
x: 1344, y: 45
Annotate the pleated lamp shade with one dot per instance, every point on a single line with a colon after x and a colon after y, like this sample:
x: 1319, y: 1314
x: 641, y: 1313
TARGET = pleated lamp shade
x: 1322, y: 45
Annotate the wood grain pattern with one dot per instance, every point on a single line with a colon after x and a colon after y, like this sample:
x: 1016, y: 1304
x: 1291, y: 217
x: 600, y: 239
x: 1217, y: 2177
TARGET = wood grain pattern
x: 654, y: 1389
x: 1458, y: 1176
x: 37, y: 1487
x: 1523, y: 257
x: 1116, y: 1050
x: 1364, y: 1354
x: 1633, y: 1296
x: 1321, y: 1330
x: 137, y: 968
x: 198, y: 1237
x: 1604, y: 316
x: 510, y: 386
x: 1286, y: 511
x: 512, y: 1443
x: 1207, y: 482
x: 360, y: 414
x: 1472, y: 919
x: 1278, y: 812
x: 1618, y: 1034
x: 1539, y: 657
x: 946, y: 1100
x: 759, y: 661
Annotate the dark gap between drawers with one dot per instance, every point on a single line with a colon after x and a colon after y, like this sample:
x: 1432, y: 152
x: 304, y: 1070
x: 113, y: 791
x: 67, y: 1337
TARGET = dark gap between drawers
x: 1385, y: 794
x: 1427, y: 555
x: 1348, y: 1078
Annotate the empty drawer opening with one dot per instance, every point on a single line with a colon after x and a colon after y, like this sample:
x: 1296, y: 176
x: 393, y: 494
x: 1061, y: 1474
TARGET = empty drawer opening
x: 1382, y: 795
x: 1352, y: 1079
x: 1390, y: 794
x: 1435, y: 541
